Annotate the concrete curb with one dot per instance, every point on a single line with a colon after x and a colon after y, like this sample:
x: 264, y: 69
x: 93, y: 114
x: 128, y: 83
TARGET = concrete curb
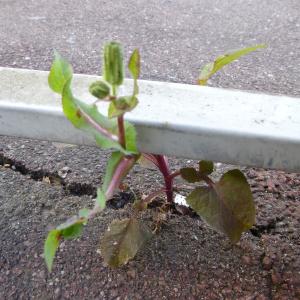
x: 173, y: 119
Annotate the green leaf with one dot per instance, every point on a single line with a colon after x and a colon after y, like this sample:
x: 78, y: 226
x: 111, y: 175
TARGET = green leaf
x: 206, y: 167
x: 72, y: 228
x: 101, y: 199
x: 72, y: 232
x: 122, y: 241
x: 50, y: 247
x: 60, y: 81
x: 73, y: 109
x: 190, y: 175
x: 121, y: 105
x: 84, y: 213
x: 134, y: 67
x: 60, y: 73
x: 134, y: 64
x: 130, y: 135
x: 223, y: 60
x: 228, y: 207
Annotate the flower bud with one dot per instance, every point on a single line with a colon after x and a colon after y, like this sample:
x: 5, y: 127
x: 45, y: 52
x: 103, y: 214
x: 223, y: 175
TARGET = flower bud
x: 113, y: 63
x: 99, y: 89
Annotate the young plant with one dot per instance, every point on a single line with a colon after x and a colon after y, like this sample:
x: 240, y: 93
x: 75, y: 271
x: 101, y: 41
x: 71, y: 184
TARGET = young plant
x: 226, y: 205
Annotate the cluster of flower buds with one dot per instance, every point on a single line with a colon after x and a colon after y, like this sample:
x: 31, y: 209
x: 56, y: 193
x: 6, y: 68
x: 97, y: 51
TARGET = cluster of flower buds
x: 113, y: 73
x: 113, y: 77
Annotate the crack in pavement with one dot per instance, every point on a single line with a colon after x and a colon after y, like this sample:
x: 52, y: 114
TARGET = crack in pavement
x: 72, y: 188
x: 86, y: 189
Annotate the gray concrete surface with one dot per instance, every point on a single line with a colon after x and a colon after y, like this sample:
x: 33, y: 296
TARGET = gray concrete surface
x: 175, y: 37
x: 257, y: 130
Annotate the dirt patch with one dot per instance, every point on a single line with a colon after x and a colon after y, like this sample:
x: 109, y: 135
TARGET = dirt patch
x: 186, y: 260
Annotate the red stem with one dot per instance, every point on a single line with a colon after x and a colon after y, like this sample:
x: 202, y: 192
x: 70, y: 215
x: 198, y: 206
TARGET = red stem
x: 164, y: 168
x: 175, y: 174
x: 122, y: 140
x: 208, y: 181
x: 122, y: 169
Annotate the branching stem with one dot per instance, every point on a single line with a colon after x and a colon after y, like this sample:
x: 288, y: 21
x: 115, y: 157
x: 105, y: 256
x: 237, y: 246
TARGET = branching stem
x: 174, y: 174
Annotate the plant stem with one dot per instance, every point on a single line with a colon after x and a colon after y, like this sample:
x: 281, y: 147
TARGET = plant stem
x: 122, y: 139
x: 121, y: 171
x: 208, y: 181
x: 174, y: 174
x: 99, y: 128
x: 164, y: 168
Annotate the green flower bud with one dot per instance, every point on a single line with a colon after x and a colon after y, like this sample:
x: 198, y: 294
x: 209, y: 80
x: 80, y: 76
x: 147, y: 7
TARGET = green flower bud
x: 122, y: 103
x: 99, y: 89
x: 113, y: 63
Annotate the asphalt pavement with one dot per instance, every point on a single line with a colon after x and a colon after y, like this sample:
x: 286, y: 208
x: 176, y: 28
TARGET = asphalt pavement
x: 175, y: 37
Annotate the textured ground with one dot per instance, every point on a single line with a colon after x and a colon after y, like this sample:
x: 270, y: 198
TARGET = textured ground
x: 186, y: 260
x: 175, y: 37
x: 41, y: 183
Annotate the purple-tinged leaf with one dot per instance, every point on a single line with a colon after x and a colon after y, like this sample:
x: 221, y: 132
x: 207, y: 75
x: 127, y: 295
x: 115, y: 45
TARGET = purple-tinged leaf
x: 191, y: 175
x: 228, y: 207
x: 122, y: 240
x: 206, y: 167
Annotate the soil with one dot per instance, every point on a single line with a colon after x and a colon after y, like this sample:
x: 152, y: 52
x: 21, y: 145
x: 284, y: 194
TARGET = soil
x: 43, y: 183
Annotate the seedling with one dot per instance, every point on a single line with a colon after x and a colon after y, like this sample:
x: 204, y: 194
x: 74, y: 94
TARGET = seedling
x: 226, y: 205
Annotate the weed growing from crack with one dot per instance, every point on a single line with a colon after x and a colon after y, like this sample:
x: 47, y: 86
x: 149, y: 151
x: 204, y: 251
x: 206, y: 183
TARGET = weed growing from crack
x: 226, y: 205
